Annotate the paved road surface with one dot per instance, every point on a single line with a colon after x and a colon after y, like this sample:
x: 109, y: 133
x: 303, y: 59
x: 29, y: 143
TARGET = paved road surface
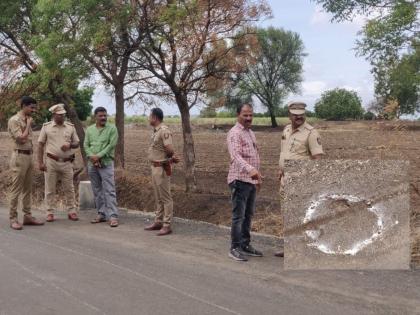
x: 78, y: 268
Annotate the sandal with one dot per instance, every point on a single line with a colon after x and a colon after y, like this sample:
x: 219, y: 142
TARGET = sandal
x: 113, y: 222
x: 98, y: 219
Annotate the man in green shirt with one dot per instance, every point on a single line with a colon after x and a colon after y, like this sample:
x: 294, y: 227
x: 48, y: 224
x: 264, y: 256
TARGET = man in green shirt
x: 100, y: 142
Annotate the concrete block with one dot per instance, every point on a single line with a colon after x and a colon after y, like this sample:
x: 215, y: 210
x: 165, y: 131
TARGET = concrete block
x: 346, y: 214
x: 86, y: 199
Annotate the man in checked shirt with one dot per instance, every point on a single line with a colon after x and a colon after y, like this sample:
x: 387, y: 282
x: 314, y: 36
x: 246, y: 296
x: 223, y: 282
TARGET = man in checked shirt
x: 244, y: 180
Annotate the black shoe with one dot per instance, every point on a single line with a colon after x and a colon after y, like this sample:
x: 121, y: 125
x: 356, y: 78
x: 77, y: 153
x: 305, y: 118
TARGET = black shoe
x: 235, y: 254
x: 251, y: 251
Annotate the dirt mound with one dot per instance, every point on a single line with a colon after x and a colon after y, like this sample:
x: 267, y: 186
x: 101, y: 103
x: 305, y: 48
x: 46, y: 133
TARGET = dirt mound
x: 136, y: 192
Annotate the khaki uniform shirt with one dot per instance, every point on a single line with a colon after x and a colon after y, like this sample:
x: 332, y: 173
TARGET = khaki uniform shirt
x: 16, y: 126
x: 300, y: 144
x: 161, y: 137
x: 55, y: 136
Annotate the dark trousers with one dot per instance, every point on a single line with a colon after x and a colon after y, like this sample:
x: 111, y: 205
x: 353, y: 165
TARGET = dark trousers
x: 243, y: 207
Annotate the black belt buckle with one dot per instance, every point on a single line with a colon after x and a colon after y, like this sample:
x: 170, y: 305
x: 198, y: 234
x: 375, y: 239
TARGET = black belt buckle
x: 27, y: 152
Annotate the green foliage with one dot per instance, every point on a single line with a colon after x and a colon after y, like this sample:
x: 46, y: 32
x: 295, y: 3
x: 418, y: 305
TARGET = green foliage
x: 227, y: 114
x: 282, y: 111
x: 392, y: 27
x: 310, y: 113
x: 208, y: 112
x: 339, y: 104
x: 83, y: 103
x: 276, y: 72
x: 404, y: 83
x: 390, y: 41
x: 399, y: 80
x: 369, y: 116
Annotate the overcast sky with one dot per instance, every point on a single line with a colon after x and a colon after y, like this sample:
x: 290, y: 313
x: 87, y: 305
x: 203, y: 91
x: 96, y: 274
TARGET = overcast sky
x: 330, y: 60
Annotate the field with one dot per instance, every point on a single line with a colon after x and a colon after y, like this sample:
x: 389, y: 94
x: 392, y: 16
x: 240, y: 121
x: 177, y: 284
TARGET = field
x: 199, y: 121
x: 341, y: 140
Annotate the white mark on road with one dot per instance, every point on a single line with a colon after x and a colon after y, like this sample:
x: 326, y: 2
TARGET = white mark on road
x: 314, y: 235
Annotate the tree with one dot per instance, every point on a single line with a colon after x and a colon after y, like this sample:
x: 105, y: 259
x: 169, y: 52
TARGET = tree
x: 392, y: 109
x: 399, y: 80
x: 392, y: 27
x: 9, y: 103
x: 277, y: 70
x: 83, y: 103
x: 369, y: 116
x: 390, y: 42
x: 339, y: 104
x: 104, y: 34
x: 191, y: 47
x: 404, y: 83
x: 26, y: 65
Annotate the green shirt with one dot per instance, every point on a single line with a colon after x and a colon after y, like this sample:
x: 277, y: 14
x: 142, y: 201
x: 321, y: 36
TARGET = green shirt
x: 101, y: 142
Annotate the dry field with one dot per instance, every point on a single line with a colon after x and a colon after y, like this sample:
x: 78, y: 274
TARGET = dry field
x: 341, y: 140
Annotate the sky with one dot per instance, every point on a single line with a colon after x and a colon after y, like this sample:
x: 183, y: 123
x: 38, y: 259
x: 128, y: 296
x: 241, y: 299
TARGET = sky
x: 330, y: 62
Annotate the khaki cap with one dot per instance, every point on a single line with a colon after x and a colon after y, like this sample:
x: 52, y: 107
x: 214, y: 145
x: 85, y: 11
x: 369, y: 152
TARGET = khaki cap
x: 57, y: 109
x: 296, y: 108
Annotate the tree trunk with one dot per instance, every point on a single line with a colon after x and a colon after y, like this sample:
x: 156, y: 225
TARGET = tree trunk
x: 72, y: 115
x: 119, y: 123
x: 189, y: 153
x: 272, y: 116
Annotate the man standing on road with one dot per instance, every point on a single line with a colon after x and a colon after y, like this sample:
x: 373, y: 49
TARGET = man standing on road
x: 161, y: 156
x: 58, y: 137
x: 21, y: 163
x: 299, y: 141
x: 99, y: 145
x: 244, y: 179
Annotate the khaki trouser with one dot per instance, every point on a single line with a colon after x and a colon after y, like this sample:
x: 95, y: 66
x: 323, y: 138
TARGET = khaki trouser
x: 21, y: 166
x: 163, y: 199
x: 64, y: 171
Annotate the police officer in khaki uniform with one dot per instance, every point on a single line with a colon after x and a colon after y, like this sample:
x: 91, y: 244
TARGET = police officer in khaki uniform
x: 161, y: 155
x: 21, y: 163
x: 58, y: 137
x: 299, y: 141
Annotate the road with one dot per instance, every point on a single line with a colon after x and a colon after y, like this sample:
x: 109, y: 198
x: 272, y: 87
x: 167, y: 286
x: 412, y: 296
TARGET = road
x: 72, y: 268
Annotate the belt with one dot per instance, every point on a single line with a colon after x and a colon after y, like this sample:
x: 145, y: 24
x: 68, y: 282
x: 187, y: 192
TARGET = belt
x: 27, y: 152
x: 58, y: 159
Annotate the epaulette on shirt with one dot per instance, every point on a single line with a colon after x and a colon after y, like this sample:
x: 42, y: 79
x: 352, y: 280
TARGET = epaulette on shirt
x: 69, y: 123
x: 309, y: 127
x: 47, y: 123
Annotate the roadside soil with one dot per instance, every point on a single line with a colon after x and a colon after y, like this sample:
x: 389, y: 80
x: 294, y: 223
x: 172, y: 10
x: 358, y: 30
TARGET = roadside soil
x: 341, y: 140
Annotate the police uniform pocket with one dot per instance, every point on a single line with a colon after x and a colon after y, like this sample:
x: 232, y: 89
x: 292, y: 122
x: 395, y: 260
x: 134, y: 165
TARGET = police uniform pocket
x: 67, y: 137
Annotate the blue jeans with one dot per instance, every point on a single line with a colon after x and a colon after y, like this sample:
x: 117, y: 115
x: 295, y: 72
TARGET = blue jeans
x: 103, y: 186
x: 243, y: 208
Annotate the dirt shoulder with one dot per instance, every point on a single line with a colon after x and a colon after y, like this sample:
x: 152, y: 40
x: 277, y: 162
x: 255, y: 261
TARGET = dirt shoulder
x: 341, y: 140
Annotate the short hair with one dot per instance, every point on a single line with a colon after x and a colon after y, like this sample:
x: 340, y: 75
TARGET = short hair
x: 239, y: 108
x: 158, y: 113
x: 27, y: 101
x: 99, y: 109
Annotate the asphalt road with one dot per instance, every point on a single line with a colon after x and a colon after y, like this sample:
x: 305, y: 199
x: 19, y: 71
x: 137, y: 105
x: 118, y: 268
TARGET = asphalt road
x: 77, y: 268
